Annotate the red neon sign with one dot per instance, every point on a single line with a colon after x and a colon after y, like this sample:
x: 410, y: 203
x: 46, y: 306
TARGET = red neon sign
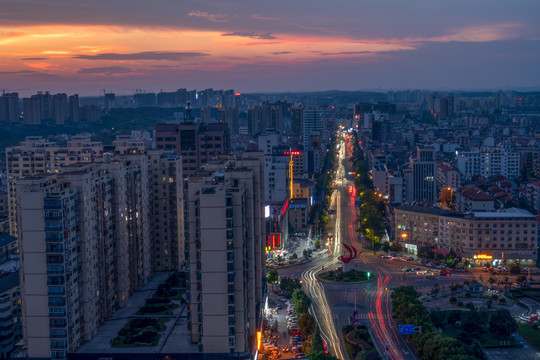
x: 294, y: 153
x: 285, y: 207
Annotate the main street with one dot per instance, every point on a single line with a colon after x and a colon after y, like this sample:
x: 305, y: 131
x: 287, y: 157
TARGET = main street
x: 333, y: 303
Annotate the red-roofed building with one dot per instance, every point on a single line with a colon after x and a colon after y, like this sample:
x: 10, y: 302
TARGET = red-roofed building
x: 471, y: 198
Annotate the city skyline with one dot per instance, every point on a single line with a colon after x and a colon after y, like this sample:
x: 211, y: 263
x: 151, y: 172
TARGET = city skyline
x: 274, y: 47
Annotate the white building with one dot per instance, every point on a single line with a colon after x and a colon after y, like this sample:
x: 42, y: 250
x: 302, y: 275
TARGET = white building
x: 489, y: 163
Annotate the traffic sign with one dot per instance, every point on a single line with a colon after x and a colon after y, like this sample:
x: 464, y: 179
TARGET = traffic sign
x: 406, y: 329
x: 358, y: 202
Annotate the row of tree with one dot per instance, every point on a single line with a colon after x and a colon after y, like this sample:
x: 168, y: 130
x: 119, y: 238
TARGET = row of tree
x: 323, y: 189
x: 371, y: 221
x: 431, y: 345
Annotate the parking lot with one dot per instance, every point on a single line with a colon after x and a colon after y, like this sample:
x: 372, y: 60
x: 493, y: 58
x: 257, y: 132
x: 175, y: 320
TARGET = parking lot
x: 285, y: 341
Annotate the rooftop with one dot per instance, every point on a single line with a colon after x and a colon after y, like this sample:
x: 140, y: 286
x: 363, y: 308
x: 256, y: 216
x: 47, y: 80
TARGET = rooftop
x: 427, y: 210
x: 9, y: 281
x: 6, y: 239
x: 508, y: 213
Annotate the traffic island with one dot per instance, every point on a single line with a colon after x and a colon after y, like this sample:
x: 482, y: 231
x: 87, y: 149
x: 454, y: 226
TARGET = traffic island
x: 350, y: 276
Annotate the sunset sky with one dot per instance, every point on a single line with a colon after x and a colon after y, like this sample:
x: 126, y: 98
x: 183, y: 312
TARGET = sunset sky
x: 295, y: 45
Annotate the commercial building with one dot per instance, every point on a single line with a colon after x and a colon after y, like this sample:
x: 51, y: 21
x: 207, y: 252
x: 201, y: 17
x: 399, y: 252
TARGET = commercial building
x: 297, y: 213
x: 424, y: 180
x: 508, y: 236
x: 224, y: 230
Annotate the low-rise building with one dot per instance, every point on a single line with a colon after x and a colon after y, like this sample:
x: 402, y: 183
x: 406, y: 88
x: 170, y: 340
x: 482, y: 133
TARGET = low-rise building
x: 471, y: 198
x: 508, y: 236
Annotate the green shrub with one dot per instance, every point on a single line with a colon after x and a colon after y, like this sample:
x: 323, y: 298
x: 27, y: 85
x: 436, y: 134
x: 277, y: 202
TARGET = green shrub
x: 146, y: 337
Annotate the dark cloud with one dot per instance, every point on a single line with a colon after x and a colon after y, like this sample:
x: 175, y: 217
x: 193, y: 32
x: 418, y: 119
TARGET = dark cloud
x: 36, y: 58
x: 106, y: 70
x: 145, y: 55
x: 21, y: 72
x: 281, y: 52
x: 347, y: 53
x: 253, y: 35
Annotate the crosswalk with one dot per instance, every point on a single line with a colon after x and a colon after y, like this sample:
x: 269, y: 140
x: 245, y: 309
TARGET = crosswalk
x: 366, y: 316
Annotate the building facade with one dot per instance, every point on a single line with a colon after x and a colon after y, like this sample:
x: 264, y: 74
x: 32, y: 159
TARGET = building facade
x: 224, y: 230
x: 508, y: 236
x: 84, y: 242
x: 10, y: 313
x: 488, y: 163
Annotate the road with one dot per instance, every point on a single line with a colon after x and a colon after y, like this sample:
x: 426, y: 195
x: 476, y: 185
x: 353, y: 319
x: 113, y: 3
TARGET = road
x: 333, y: 303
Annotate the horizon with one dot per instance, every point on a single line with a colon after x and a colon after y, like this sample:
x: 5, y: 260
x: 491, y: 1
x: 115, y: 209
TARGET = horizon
x: 303, y: 46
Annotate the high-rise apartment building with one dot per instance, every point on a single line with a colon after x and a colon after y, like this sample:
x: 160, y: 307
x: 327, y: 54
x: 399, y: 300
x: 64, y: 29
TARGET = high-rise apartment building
x: 9, y: 108
x: 74, y: 108
x: 314, y: 123
x: 229, y: 116
x: 197, y: 144
x: 166, y: 192
x: 224, y: 230
x: 60, y: 108
x: 35, y: 155
x: 84, y: 238
x: 31, y: 111
x: 424, y: 177
x: 297, y: 119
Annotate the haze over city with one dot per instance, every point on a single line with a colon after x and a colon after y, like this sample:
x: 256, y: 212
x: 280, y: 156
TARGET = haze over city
x: 276, y: 46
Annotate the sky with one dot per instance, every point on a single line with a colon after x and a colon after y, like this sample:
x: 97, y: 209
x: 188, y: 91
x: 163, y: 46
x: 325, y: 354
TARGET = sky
x: 86, y: 47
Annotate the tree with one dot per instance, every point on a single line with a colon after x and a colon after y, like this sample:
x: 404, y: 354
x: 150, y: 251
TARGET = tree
x: 515, y: 269
x: 272, y: 277
x: 396, y: 247
x: 301, y: 302
x: 502, y: 323
x: 316, y: 341
x: 306, y: 324
x: 438, y: 317
x: 289, y: 285
x: 492, y: 280
x: 477, y: 350
x: 471, y: 327
x: 317, y: 243
x: 385, y: 247
x: 321, y: 356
